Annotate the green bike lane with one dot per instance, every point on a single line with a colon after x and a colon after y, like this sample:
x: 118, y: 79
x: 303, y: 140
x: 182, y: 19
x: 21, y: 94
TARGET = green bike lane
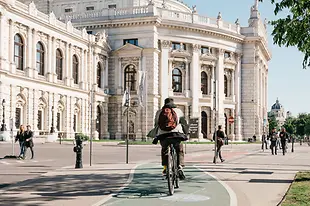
x: 149, y: 188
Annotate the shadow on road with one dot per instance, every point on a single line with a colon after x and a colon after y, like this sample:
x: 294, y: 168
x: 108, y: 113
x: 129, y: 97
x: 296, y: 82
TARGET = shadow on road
x: 61, y: 187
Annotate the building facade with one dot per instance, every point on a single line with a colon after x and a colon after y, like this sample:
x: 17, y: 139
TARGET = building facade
x: 213, y: 69
x: 278, y: 111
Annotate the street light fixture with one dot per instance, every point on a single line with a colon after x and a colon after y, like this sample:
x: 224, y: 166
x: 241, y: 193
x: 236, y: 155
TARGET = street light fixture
x: 52, y: 127
x: 3, y: 126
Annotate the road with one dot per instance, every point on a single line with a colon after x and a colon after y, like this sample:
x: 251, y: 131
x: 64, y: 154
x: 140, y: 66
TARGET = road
x: 50, y: 179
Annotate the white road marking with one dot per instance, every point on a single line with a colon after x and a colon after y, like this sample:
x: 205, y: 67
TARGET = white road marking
x: 4, y: 162
x: 232, y: 194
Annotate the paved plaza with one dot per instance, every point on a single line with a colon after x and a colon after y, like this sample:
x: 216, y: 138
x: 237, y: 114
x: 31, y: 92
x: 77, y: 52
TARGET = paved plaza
x: 249, y: 176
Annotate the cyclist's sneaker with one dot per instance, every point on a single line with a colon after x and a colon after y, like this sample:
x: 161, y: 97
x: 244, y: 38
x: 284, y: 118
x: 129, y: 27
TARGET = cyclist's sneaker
x: 165, y: 171
x: 181, y: 173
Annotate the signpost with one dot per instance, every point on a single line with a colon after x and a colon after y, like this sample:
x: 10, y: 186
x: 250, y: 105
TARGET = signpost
x: 231, y: 120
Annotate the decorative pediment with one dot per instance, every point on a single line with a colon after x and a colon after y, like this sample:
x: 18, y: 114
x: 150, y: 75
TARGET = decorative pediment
x: 130, y: 60
x: 128, y: 47
x: 180, y: 53
x: 180, y: 65
x: 208, y: 56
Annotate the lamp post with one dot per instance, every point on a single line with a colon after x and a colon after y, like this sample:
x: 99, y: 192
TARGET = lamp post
x: 52, y: 127
x: 3, y: 126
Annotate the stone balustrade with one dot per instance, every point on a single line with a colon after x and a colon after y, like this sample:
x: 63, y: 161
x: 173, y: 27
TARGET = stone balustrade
x: 150, y: 10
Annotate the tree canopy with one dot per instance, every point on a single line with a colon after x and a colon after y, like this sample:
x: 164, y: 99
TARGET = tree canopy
x: 294, y: 29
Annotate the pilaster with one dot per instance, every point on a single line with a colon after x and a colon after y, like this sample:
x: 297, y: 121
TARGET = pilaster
x: 4, y: 40
x: 220, y: 88
x: 11, y: 49
x: 195, y: 81
x: 34, y: 54
x: 49, y: 74
x: 82, y: 69
x: 29, y: 70
x: 164, y: 71
x: 237, y: 84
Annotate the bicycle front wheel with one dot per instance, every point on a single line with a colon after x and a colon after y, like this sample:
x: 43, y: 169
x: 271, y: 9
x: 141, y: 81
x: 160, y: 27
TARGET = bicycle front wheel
x: 170, y: 173
x: 176, y: 171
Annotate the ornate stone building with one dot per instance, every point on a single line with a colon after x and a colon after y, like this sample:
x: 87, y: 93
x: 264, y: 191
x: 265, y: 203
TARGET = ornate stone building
x: 278, y: 111
x: 213, y: 69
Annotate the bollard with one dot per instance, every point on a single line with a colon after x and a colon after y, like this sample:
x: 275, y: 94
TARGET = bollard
x: 78, y: 150
x: 292, y: 144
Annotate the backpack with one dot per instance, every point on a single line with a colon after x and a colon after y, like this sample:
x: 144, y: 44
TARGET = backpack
x: 167, y: 120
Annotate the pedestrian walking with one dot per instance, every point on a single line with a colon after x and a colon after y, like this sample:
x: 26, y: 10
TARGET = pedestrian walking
x: 29, y: 141
x: 283, y: 137
x: 220, y: 142
x: 21, y: 137
x: 264, y: 141
x: 273, y: 140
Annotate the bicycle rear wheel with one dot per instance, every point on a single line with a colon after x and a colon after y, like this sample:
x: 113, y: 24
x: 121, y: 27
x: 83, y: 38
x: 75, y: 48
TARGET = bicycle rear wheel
x: 176, y: 171
x: 170, y: 172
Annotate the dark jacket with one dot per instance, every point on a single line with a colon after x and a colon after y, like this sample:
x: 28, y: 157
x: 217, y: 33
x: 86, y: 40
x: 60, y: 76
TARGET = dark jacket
x: 283, y: 136
x: 273, y: 136
x: 21, y: 137
x: 29, y: 135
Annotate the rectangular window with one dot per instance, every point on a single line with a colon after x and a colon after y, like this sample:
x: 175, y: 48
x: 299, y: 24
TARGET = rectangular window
x: 131, y: 41
x: 227, y: 55
x: 89, y: 32
x: 178, y: 46
x: 90, y: 8
x: 68, y: 10
x: 206, y: 50
x: 39, y: 120
x: 112, y: 6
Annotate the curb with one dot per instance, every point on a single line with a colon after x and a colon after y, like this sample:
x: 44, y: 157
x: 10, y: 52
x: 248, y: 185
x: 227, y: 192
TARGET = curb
x: 283, y: 198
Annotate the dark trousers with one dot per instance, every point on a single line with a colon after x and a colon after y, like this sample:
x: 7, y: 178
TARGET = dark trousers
x: 264, y: 143
x: 178, y: 147
x: 283, y: 145
x: 219, y: 152
x: 32, y: 152
x: 273, y: 147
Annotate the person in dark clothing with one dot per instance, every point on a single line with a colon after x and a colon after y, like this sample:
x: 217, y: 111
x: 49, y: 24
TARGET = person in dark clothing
x: 29, y: 141
x: 264, y: 141
x: 220, y: 136
x: 273, y: 140
x: 283, y: 137
x: 21, y: 138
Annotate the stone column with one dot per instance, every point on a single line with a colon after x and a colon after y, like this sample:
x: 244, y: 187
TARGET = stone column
x: 53, y: 60
x: 35, y: 109
x: 82, y: 71
x: 237, y: 85
x: 30, y: 112
x: 67, y: 117
x: 187, y: 80
x: 49, y: 59
x: 86, y: 75
x: 195, y: 81
x: 106, y: 74
x: 212, y: 86
x: 164, y: 71
x: 71, y: 116
x: 69, y: 79
x: 170, y: 70
x: 66, y: 75
x: 94, y: 65
x: 11, y: 49
x: 220, y: 95
x: 232, y: 85
x: 4, y: 43
x: 34, y: 54
x: 29, y: 71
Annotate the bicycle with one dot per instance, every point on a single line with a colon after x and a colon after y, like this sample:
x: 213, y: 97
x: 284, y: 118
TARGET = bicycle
x: 172, y: 170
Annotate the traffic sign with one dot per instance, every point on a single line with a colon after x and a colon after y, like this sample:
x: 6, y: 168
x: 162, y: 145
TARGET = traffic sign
x: 231, y: 120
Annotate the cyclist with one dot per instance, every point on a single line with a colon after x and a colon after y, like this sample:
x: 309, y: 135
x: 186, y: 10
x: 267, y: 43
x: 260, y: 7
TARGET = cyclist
x: 172, y: 129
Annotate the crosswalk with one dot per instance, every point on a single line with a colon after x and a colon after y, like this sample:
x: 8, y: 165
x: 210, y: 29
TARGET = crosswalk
x: 15, y: 162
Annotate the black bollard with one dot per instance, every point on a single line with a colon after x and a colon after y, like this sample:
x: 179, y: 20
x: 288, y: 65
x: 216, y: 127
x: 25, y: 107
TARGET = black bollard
x: 78, y: 150
x: 292, y: 144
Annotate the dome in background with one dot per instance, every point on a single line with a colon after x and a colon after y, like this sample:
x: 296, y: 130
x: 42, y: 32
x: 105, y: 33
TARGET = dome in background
x: 276, y: 106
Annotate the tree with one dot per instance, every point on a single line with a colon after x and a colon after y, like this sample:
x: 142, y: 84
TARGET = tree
x: 290, y: 125
x: 273, y: 123
x: 294, y: 29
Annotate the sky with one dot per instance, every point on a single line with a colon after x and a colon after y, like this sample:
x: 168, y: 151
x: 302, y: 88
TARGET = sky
x: 287, y: 81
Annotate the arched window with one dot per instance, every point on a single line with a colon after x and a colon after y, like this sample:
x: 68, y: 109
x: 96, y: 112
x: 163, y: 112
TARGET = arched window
x: 177, y: 80
x: 99, y: 75
x: 130, y: 78
x: 204, y: 83
x: 40, y: 58
x: 75, y: 69
x: 19, y: 52
x: 225, y: 86
x: 59, y: 63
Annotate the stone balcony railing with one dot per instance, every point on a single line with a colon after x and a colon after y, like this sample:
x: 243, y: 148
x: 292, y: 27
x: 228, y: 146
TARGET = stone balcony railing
x: 148, y: 11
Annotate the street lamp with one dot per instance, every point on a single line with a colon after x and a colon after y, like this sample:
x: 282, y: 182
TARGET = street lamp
x: 3, y: 126
x: 52, y: 127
